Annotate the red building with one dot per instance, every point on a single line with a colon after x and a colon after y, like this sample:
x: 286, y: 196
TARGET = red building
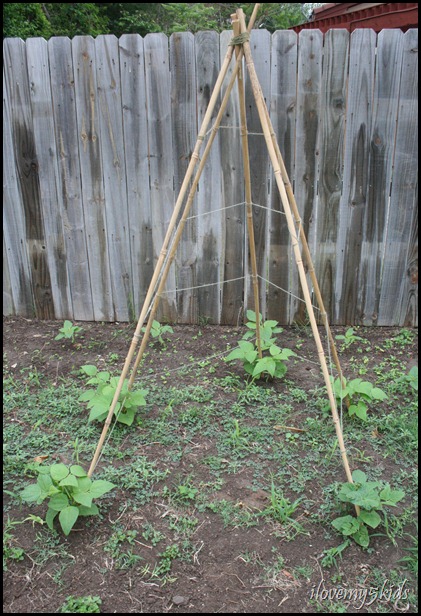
x: 352, y: 15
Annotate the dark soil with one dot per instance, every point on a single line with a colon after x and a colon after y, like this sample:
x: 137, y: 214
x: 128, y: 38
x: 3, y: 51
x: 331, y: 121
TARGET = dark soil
x: 218, y: 577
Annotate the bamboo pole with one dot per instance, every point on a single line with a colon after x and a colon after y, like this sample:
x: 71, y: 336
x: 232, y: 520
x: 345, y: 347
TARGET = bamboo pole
x: 291, y: 227
x: 247, y: 182
x: 306, y: 250
x: 163, y: 264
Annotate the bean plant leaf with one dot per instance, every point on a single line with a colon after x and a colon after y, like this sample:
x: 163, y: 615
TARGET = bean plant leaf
x: 85, y: 511
x: 77, y: 470
x: 391, y: 497
x: 68, y: 517
x: 100, y: 487
x: 361, y: 536
x: 69, y: 481
x: 89, y: 370
x: 49, y: 518
x: 58, y: 501
x: 31, y: 493
x: 371, y: 518
x: 347, y: 525
x: 58, y: 471
x: 83, y: 498
x: 378, y: 394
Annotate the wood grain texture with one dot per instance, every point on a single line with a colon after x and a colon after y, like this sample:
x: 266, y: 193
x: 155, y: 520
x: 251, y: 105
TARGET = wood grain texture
x: 332, y: 136
x: 93, y: 197
x: 399, y: 290
x: 161, y: 167
x: 69, y: 176
x: 310, y: 51
x: 136, y: 152
x: 354, y: 199
x: 26, y: 158
x: 50, y: 195
x: 283, y: 115
x: 184, y: 132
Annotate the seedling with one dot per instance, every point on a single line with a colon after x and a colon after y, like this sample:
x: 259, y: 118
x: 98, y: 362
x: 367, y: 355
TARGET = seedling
x: 359, y: 392
x: 371, y: 497
x: 158, y: 331
x: 272, y: 364
x: 70, y: 492
x: 281, y: 509
x: 99, y: 399
x: 81, y: 605
x: 348, y: 338
x: 68, y: 331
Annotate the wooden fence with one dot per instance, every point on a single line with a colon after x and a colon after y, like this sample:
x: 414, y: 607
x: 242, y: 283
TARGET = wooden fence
x: 97, y: 137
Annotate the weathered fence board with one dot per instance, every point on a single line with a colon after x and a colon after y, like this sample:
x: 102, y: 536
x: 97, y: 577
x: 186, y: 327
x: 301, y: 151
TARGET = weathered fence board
x: 69, y: 176
x: 93, y: 198
x: 161, y: 168
x: 97, y: 137
x: 354, y: 203
x: 309, y: 71
x: 136, y: 151
x: 332, y: 134
x: 398, y: 295
x: 283, y: 114
x: 210, y: 224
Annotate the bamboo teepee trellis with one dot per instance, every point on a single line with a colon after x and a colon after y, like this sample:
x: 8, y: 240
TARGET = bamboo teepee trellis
x: 241, y: 46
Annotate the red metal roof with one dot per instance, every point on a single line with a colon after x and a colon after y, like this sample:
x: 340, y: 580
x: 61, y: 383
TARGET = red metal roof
x: 352, y: 15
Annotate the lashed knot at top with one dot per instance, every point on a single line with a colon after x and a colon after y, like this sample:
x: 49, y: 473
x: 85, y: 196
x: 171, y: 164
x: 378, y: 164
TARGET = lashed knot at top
x: 240, y: 39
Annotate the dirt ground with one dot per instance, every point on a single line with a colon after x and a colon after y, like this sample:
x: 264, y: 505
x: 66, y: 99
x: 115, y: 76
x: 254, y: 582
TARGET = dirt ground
x: 224, y: 573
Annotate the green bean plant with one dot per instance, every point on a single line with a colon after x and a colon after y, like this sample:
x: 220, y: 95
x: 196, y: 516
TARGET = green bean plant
x: 272, y: 363
x: 69, y: 491
x: 99, y: 399
x: 371, y: 497
x: 360, y: 393
x: 68, y: 331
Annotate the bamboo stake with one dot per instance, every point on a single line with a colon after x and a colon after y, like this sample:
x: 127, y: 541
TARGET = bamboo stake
x: 306, y: 250
x: 247, y: 181
x: 161, y: 269
x: 290, y: 221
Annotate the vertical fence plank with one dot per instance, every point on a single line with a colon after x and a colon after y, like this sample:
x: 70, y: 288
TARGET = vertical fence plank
x: 161, y: 169
x: 398, y: 297
x: 260, y: 43
x: 68, y: 176
x: 283, y: 116
x: 26, y: 157
x: 184, y: 131
x: 232, y: 194
x: 93, y: 199
x: 136, y: 151
x: 8, y: 306
x: 332, y: 132
x: 114, y: 172
x: 14, y: 236
x: 210, y: 237
x: 356, y: 166
x: 382, y: 140
x: 310, y: 52
x: 50, y: 194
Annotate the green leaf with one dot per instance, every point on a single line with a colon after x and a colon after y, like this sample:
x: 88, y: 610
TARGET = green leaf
x: 371, y: 518
x: 70, y: 481
x: 137, y: 398
x: 58, y: 471
x: 361, y: 536
x: 84, y: 484
x: 359, y: 477
x: 391, y: 497
x: 89, y: 370
x: 83, y: 498
x: 49, y: 518
x: 360, y: 410
x: 347, y: 525
x: 100, y: 487
x: 68, y: 517
x: 45, y: 482
x: 251, y: 315
x: 126, y: 416
x: 251, y: 356
x: 31, y: 493
x: 378, y: 394
x: 85, y: 511
x: 87, y: 395
x: 58, y: 502
x: 77, y: 471
x: 235, y: 354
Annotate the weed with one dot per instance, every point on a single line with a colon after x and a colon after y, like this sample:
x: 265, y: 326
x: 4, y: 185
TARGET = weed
x: 348, y: 338
x: 281, y: 509
x: 158, y: 332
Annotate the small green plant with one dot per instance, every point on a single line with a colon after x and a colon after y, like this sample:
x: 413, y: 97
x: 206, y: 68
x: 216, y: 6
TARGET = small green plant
x: 330, y: 555
x: 411, y: 378
x: 411, y: 560
x: 371, y: 497
x: 348, y: 338
x: 281, y: 509
x: 68, y: 331
x: 272, y: 363
x: 359, y: 393
x: 158, y: 331
x: 99, y: 399
x: 81, y: 605
x: 70, y: 492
